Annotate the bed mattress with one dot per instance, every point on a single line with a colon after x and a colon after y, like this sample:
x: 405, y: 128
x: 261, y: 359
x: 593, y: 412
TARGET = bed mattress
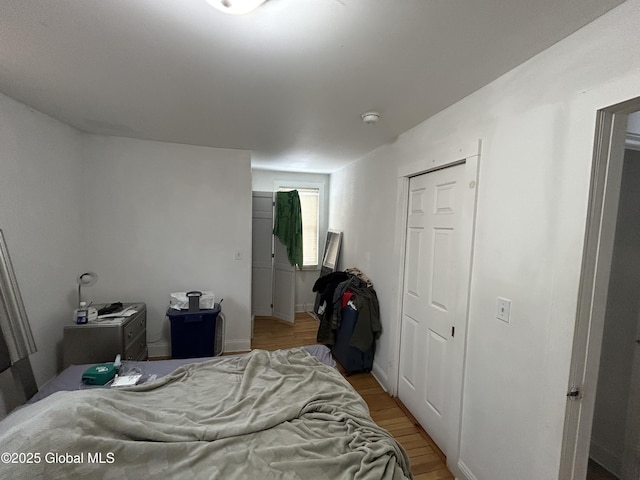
x: 71, y: 378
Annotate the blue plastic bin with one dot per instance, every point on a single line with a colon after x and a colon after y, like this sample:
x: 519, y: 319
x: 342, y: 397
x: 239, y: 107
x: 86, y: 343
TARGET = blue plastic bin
x: 193, y: 333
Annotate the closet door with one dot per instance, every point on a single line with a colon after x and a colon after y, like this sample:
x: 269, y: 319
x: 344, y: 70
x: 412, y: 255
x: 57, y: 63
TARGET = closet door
x: 432, y: 277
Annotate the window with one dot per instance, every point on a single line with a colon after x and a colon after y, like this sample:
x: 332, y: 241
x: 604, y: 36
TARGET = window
x: 310, y: 207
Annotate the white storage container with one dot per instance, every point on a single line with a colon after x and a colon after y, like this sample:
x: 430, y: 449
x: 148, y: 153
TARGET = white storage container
x: 180, y: 300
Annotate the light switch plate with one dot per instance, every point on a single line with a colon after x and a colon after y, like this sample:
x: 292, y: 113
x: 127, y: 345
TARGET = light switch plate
x: 504, y: 309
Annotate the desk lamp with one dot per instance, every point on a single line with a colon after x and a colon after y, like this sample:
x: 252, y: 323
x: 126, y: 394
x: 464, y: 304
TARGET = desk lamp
x: 87, y: 279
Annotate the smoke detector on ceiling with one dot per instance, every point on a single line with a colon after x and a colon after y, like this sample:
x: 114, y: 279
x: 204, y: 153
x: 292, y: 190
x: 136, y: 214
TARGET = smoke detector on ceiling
x: 370, y: 118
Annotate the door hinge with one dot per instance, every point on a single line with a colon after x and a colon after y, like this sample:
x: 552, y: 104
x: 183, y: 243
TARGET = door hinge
x: 574, y: 393
x: 453, y: 331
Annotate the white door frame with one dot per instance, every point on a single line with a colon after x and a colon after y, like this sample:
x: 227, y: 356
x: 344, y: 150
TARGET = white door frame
x: 470, y: 156
x: 594, y: 283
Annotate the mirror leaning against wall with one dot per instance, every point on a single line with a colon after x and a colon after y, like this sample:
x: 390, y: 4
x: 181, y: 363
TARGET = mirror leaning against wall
x: 16, y: 338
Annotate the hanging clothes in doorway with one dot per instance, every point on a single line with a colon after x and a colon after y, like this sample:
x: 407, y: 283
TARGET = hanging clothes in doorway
x: 288, y: 225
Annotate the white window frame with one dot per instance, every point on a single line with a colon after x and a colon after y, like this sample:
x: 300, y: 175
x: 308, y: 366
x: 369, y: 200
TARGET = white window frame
x: 295, y: 185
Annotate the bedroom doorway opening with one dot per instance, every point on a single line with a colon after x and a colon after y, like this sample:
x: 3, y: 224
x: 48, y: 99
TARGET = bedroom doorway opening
x: 602, y: 425
x: 272, y: 277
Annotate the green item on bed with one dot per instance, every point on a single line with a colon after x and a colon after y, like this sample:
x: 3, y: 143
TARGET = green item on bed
x: 99, y: 374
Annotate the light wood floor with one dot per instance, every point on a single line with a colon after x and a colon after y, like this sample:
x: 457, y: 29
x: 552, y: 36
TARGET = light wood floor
x: 427, y: 462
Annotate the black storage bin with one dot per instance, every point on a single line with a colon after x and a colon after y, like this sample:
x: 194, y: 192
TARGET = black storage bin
x: 193, y: 333
x: 352, y: 359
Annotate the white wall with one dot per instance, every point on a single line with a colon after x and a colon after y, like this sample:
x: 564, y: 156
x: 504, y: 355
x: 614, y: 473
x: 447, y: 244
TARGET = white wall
x: 537, y: 125
x: 40, y: 215
x: 163, y: 218
x: 363, y: 205
x: 149, y: 217
x: 621, y: 323
x: 263, y: 181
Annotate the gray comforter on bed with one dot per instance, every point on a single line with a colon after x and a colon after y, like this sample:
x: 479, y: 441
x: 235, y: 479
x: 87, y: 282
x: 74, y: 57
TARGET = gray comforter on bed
x: 261, y: 416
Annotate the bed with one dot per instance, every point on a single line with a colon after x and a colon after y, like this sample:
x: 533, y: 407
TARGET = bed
x: 263, y: 415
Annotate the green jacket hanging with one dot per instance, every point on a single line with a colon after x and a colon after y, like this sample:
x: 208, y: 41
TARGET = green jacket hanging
x: 288, y: 224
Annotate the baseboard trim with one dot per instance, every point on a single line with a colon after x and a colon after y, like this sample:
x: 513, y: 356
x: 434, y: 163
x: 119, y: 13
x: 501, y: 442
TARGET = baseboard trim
x: 380, y: 376
x: 303, y: 307
x: 468, y: 475
x: 163, y: 350
x: 159, y: 349
x: 237, y: 345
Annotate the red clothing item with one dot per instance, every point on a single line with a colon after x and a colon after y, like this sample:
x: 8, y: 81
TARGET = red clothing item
x: 346, y: 296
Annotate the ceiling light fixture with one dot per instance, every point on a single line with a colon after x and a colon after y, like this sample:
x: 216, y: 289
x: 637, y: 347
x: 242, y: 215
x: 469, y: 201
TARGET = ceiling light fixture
x: 370, y: 118
x: 236, y: 7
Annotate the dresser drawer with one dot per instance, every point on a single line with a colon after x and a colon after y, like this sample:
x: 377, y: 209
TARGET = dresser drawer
x: 133, y: 328
x: 137, y: 350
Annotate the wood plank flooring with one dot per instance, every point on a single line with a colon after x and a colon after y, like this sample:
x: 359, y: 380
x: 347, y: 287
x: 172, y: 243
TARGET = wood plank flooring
x: 427, y: 462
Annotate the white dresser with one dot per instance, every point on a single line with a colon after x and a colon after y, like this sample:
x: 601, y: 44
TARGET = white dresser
x: 100, y: 341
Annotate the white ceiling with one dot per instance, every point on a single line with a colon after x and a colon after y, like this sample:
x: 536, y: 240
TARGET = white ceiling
x: 288, y: 81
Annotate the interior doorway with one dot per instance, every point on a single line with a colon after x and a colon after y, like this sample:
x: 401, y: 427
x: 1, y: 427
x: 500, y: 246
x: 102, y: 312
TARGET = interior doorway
x: 602, y: 428
x: 262, y: 254
x: 615, y: 428
x: 273, y: 279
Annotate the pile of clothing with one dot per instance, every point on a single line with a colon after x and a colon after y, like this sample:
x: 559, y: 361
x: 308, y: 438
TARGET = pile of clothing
x: 353, y: 288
